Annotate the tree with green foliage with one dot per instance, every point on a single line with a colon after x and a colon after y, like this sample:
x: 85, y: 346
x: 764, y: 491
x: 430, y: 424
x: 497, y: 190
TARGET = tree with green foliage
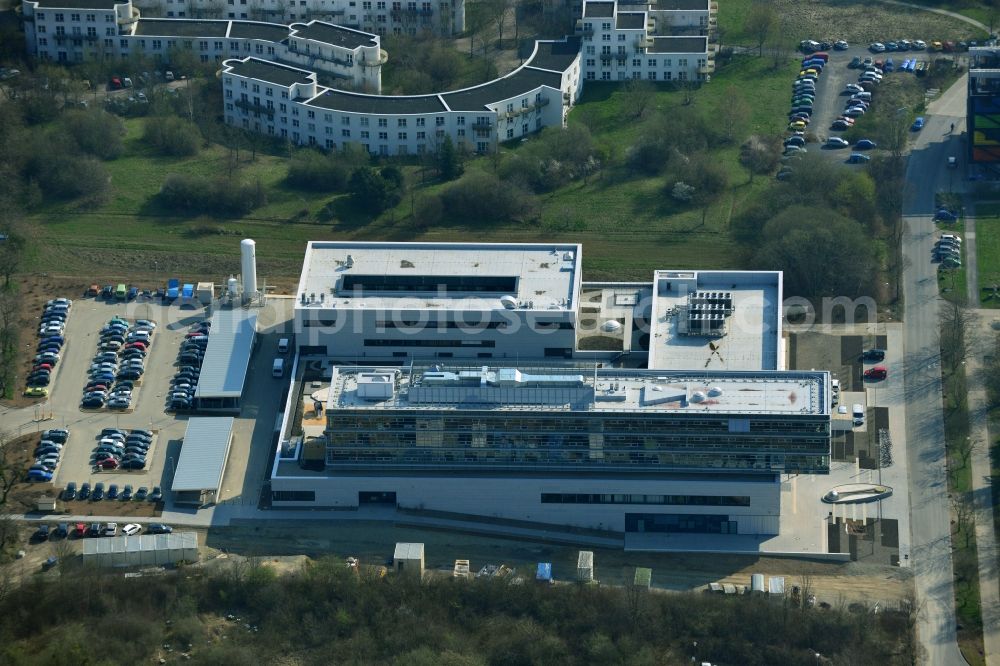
x: 760, y: 154
x: 449, y: 162
x: 376, y: 191
x: 821, y: 252
x: 96, y: 132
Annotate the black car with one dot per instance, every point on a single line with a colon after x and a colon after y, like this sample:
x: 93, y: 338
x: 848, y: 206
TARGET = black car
x: 113, y: 491
x: 84, y: 491
x: 46, y: 450
x: 135, y: 463
x: 91, y: 403
x: 140, y: 431
x: 61, y: 530
x: 138, y: 436
x: 108, y: 292
x: 141, y: 494
x: 158, y: 528
x: 69, y: 492
x: 98, y: 494
x: 41, y: 534
x: 156, y: 495
x: 126, y: 493
x: 94, y: 530
x: 874, y: 355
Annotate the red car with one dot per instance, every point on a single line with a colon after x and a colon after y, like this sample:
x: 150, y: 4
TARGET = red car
x: 42, y: 366
x: 136, y: 345
x: 878, y: 372
x: 81, y: 530
x: 108, y: 463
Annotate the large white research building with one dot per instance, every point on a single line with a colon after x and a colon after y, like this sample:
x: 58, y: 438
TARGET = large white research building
x: 489, y: 381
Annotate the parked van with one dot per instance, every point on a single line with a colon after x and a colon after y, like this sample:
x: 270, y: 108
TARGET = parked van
x: 278, y: 369
x: 283, y: 346
x: 858, y: 412
x: 120, y: 292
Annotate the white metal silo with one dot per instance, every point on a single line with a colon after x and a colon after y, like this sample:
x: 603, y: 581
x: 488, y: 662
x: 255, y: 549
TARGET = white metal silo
x: 248, y: 255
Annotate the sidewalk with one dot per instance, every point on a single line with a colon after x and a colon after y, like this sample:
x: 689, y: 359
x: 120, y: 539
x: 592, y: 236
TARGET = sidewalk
x: 982, y: 493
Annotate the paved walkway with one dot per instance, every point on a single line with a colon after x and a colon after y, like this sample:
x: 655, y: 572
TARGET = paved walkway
x: 982, y: 491
x: 943, y: 12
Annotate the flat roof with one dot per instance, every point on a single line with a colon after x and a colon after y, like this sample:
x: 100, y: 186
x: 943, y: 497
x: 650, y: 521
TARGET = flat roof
x: 272, y: 32
x: 341, y: 100
x: 272, y: 72
x: 555, y: 55
x: 79, y: 4
x: 449, y: 276
x: 674, y: 5
x: 630, y: 20
x: 520, y: 82
x: 329, y: 33
x: 181, y: 28
x: 752, y: 331
x: 678, y: 45
x: 456, y: 387
x: 203, y: 453
x: 141, y: 543
x: 598, y: 9
x: 227, y: 357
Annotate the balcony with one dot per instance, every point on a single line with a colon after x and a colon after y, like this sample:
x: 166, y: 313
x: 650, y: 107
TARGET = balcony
x: 643, y: 42
x: 482, y: 131
x: 383, y: 57
x: 606, y: 57
x: 249, y: 107
x: 581, y: 30
x: 409, y: 14
x: 130, y: 19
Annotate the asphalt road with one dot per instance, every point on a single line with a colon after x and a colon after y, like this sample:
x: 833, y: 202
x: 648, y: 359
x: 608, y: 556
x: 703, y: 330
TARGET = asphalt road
x: 930, y: 517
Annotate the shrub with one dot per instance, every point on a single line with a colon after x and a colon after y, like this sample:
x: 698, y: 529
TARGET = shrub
x: 376, y: 191
x: 484, y: 197
x: 96, y: 132
x: 223, y: 196
x: 172, y: 136
x: 318, y: 172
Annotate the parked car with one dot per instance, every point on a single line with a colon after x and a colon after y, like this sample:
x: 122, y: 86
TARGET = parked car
x: 873, y: 354
x: 131, y: 529
x: 865, y: 144
x: 837, y: 142
x: 69, y: 492
x: 858, y: 158
x: 98, y: 494
x: 94, y: 530
x: 158, y: 528
x: 61, y: 531
x: 879, y: 372
x: 41, y: 534
x: 84, y: 491
x: 945, y: 215
x: 141, y: 494
x: 918, y: 124
x: 113, y: 491
x: 110, y: 530
x: 156, y: 495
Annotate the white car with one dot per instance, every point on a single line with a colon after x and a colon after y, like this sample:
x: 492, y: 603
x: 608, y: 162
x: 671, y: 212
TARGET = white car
x: 110, y: 530
x: 59, y: 301
x: 853, y: 88
x: 919, y: 45
x: 131, y: 529
x: 837, y: 142
x: 951, y: 237
x: 877, y: 47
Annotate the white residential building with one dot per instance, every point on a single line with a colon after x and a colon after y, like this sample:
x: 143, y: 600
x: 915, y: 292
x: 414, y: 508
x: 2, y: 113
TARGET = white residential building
x: 382, y: 17
x: 645, y: 42
x: 54, y: 30
x: 537, y: 94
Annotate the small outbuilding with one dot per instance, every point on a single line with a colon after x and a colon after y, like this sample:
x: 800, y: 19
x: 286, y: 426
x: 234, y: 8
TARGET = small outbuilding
x: 141, y: 550
x: 206, y: 292
x: 202, y: 462
x: 585, y: 566
x: 409, y: 559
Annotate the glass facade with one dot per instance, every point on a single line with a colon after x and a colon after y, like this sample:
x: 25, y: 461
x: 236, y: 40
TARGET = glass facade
x: 599, y: 441
x: 622, y: 498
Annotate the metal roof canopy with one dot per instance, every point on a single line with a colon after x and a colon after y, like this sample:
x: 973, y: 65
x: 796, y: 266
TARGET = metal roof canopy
x: 227, y: 357
x: 203, y: 453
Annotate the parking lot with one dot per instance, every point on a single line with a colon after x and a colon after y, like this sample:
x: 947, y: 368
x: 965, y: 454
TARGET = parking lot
x: 147, y: 410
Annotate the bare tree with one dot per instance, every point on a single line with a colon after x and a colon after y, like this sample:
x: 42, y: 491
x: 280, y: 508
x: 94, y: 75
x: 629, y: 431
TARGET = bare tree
x: 963, y: 510
x: 639, y: 95
x: 760, y: 23
x: 12, y: 469
x: 498, y: 11
x: 760, y: 154
x: 958, y: 340
x: 734, y: 114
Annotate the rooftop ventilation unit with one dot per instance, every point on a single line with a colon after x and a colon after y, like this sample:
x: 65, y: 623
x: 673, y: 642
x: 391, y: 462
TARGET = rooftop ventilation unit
x: 706, y: 313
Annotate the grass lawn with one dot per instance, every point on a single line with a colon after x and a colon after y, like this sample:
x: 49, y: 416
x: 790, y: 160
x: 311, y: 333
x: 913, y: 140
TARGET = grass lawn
x: 628, y: 224
x: 988, y: 251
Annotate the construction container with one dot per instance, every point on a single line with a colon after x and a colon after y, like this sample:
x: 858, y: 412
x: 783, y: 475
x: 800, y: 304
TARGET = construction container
x: 543, y: 574
x: 585, y: 566
x: 643, y: 578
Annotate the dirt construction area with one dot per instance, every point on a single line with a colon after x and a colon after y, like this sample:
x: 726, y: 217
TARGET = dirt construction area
x: 373, y: 543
